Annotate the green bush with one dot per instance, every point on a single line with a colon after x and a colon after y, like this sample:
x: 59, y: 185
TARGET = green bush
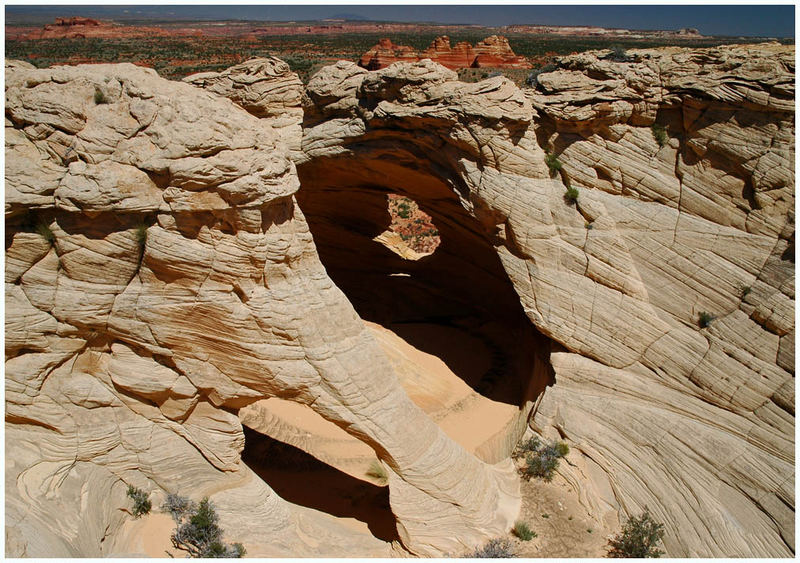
x: 746, y: 291
x: 141, y: 501
x: 45, y: 232
x: 618, y: 53
x: 530, y: 445
x: 553, y: 164
x: 533, y: 78
x: 141, y: 234
x: 571, y: 195
x: 498, y: 548
x: 704, y: 319
x: 197, y: 531
x: 523, y: 531
x: 639, y: 538
x: 659, y: 134
x: 377, y: 472
x: 99, y: 96
x: 177, y: 506
x: 541, y: 460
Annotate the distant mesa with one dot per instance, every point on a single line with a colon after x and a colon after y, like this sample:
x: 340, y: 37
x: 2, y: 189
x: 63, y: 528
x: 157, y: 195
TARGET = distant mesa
x: 493, y: 52
x: 78, y: 21
x: 80, y: 27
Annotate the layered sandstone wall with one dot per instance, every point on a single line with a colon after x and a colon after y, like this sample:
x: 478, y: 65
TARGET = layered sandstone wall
x: 694, y: 422
x: 494, y: 52
x: 160, y: 275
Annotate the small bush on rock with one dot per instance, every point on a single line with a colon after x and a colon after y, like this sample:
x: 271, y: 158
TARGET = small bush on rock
x: 639, y: 538
x: 553, y: 164
x: 377, y: 472
x: 659, y: 134
x: 177, y: 506
x: 45, y: 232
x: 532, y: 80
x: 498, y: 548
x: 99, y: 96
x: 141, y: 501
x: 141, y: 234
x: 523, y: 531
x: 197, y: 530
x: 619, y: 54
x: 571, y: 195
x: 704, y: 319
x: 541, y: 460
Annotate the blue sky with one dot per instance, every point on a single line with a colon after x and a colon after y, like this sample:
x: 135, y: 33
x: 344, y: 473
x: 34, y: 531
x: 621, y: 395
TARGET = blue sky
x: 749, y: 20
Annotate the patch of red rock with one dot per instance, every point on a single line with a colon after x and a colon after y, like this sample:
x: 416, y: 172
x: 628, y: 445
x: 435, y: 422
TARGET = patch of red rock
x: 493, y: 52
x: 77, y: 27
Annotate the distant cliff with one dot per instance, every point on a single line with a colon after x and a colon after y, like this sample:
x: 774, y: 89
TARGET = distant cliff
x: 493, y: 52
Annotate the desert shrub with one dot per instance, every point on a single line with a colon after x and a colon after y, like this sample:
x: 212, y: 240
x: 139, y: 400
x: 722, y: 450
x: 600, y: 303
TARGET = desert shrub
x: 746, y: 291
x: 377, y: 472
x: 704, y: 319
x: 639, y: 538
x: 553, y: 164
x: 141, y: 234
x: 618, y: 53
x: 177, y: 506
x: 532, y: 80
x: 659, y: 134
x: 541, y: 460
x: 197, y: 531
x: 571, y: 195
x: 523, y: 531
x: 99, y: 96
x: 495, y: 549
x: 141, y: 501
x: 530, y: 445
x: 45, y: 232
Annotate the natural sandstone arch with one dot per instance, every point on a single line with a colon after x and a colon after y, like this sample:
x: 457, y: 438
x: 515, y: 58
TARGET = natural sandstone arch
x: 697, y: 423
x: 618, y: 280
x: 463, y: 281
x: 177, y: 323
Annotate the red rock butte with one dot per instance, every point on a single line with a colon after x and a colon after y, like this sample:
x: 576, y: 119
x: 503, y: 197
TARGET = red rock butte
x: 77, y: 27
x: 493, y: 52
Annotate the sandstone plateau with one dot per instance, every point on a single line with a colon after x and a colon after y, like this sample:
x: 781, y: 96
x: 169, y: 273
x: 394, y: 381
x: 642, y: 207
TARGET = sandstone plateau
x: 186, y: 257
x: 494, y: 52
x: 77, y: 27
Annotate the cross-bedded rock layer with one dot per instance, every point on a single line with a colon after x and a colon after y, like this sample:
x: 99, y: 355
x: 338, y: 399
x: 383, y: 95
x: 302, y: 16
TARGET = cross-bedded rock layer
x: 180, y: 283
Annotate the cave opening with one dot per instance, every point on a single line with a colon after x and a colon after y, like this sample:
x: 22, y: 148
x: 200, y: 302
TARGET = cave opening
x: 455, y: 303
x: 302, y: 479
x: 441, y: 307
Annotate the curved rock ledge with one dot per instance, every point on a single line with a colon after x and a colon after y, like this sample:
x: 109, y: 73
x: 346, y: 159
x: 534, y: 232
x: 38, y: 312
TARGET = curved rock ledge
x: 160, y: 275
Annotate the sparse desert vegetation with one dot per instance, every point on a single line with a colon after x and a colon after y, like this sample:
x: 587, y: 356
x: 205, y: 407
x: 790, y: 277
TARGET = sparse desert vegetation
x: 141, y: 501
x: 197, y: 531
x: 541, y: 458
x: 639, y: 538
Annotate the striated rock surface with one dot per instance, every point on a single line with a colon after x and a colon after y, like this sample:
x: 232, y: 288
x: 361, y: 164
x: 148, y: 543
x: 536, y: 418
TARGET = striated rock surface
x: 695, y: 422
x: 493, y: 52
x: 161, y: 276
x: 265, y: 88
x: 705, y: 219
x: 385, y: 53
